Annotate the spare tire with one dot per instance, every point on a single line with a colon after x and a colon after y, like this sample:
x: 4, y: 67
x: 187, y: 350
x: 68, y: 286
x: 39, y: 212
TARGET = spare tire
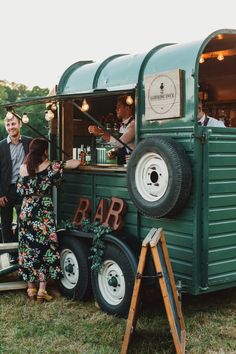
x: 159, y: 177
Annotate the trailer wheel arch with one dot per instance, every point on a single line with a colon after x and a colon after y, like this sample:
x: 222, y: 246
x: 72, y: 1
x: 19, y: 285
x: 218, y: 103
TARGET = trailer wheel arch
x: 159, y: 177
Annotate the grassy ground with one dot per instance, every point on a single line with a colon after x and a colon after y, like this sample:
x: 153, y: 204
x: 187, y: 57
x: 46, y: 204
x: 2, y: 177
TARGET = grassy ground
x: 65, y: 326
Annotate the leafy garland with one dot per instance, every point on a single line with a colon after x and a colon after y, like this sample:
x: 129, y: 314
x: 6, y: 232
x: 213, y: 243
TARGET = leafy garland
x: 98, y: 245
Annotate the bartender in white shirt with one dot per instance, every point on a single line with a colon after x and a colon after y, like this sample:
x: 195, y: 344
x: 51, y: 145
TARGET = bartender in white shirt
x: 124, y: 113
x: 204, y: 120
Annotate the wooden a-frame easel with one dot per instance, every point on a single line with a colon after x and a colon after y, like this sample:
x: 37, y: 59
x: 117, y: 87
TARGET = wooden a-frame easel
x: 155, y: 243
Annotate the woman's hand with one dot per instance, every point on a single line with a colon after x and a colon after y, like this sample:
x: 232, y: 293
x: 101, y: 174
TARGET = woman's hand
x: 3, y: 201
x: 93, y: 129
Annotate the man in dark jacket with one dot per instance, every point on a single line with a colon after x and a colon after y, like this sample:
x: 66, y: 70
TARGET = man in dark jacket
x: 12, y: 153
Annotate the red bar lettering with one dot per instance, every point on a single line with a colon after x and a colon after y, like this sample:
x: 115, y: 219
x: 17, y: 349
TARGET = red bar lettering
x: 101, y: 211
x: 114, y: 217
x: 82, y: 211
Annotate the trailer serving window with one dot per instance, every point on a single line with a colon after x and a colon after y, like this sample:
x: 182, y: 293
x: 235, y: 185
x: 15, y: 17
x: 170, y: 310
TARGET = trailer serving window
x: 78, y: 114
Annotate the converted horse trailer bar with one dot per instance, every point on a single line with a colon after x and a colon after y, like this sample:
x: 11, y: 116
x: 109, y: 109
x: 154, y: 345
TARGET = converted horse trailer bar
x: 181, y: 176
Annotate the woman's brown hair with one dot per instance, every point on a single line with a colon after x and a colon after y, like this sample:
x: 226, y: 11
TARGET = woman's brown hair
x: 36, y: 155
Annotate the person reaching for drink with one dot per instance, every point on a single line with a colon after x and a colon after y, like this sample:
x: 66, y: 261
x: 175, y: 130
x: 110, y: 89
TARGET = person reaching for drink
x: 39, y: 258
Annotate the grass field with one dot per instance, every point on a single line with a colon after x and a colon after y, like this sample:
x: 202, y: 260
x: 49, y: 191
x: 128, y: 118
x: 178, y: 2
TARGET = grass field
x: 65, y: 326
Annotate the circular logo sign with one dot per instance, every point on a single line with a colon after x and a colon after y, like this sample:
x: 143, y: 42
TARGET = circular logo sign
x: 162, y: 94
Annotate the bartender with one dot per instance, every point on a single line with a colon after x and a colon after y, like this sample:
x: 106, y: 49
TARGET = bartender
x: 124, y: 111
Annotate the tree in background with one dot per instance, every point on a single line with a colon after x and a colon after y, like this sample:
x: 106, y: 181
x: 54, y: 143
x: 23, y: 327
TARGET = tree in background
x: 12, y: 92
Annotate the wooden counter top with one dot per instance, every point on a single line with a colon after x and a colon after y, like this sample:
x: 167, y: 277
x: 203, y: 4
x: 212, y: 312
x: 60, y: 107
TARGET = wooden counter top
x: 100, y: 168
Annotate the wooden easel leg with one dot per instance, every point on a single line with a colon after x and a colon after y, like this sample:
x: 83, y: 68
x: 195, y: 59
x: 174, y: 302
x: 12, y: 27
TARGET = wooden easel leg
x: 133, y: 313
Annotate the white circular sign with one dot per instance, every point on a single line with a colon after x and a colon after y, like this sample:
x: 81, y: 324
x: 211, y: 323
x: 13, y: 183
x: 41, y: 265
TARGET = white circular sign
x: 162, y: 94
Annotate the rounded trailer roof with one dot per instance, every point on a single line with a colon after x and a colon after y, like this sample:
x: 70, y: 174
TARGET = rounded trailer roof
x: 126, y: 71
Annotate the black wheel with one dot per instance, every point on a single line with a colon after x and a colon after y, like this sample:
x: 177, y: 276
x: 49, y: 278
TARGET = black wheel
x: 113, y: 284
x: 75, y: 282
x: 159, y: 177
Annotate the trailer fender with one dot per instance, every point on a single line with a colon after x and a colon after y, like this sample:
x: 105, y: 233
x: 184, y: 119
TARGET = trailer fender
x: 159, y: 177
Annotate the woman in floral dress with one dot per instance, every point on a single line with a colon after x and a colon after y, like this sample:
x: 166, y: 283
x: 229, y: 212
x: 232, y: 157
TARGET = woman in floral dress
x: 39, y: 258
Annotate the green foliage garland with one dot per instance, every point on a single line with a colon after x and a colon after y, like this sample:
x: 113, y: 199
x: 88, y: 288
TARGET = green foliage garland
x: 98, y: 246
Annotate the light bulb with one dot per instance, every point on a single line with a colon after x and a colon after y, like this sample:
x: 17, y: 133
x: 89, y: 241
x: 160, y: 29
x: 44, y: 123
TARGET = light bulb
x: 85, y: 106
x: 9, y: 115
x: 201, y: 59
x: 220, y: 57
x: 46, y: 115
x: 49, y: 115
x: 129, y: 100
x: 25, y: 118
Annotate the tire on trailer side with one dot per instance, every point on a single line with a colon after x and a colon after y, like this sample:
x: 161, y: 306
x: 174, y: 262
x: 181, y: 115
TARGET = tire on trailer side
x: 113, y: 284
x: 76, y: 282
x: 159, y: 177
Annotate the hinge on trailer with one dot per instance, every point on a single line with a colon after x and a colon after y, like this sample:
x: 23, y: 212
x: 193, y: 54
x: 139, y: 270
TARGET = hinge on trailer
x: 201, y: 137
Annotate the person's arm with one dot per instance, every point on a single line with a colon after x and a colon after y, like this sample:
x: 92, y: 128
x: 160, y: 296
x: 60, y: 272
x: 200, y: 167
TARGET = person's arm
x: 96, y: 131
x: 23, y: 171
x: 70, y: 164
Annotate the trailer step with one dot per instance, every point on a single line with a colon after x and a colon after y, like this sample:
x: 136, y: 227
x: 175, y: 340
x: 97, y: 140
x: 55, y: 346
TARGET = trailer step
x: 8, y: 247
x: 13, y: 285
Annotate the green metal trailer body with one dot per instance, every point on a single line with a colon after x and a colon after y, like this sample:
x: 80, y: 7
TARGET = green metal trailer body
x: 201, y: 239
x: 167, y: 83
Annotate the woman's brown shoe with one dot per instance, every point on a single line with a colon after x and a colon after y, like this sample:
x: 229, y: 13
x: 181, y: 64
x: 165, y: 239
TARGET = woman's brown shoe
x: 32, y: 294
x: 43, y: 296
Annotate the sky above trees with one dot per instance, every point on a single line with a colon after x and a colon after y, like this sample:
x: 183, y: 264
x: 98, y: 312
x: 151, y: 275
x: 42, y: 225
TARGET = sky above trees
x: 40, y: 39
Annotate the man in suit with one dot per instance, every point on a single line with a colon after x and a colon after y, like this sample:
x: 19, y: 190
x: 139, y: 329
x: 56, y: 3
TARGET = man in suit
x: 12, y: 153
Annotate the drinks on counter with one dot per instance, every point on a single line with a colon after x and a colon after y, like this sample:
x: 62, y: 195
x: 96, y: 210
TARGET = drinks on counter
x: 83, y: 154
x: 103, y: 154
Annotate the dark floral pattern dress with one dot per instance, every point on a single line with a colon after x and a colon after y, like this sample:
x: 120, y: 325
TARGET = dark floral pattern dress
x: 39, y: 258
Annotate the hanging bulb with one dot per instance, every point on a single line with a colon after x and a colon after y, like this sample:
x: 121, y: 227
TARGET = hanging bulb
x: 25, y: 118
x: 46, y: 115
x: 49, y: 115
x: 201, y: 59
x: 129, y: 100
x: 85, y: 106
x: 219, y: 36
x: 220, y: 57
x: 9, y: 115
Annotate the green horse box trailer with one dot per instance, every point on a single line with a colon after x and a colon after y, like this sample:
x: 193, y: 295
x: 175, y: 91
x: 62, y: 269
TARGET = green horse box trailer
x: 180, y: 177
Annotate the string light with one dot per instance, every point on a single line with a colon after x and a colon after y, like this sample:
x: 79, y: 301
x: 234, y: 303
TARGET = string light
x: 25, y: 118
x: 9, y: 115
x: 85, y: 106
x: 129, y: 100
x: 201, y: 59
x: 220, y: 56
x: 49, y: 115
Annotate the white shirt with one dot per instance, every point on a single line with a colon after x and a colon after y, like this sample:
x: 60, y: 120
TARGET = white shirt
x: 128, y: 135
x: 212, y: 122
x: 17, y: 157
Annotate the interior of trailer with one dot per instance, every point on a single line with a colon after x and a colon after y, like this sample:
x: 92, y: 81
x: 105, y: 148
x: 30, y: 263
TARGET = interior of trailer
x: 75, y: 123
x: 217, y: 78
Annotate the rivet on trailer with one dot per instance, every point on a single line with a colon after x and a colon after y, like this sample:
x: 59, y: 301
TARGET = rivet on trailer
x: 181, y: 176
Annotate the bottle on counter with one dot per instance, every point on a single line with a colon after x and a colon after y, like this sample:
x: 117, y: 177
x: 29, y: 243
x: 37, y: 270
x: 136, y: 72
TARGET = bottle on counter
x: 116, y: 130
x: 82, y: 155
x: 75, y: 153
x: 78, y: 157
x: 88, y: 156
